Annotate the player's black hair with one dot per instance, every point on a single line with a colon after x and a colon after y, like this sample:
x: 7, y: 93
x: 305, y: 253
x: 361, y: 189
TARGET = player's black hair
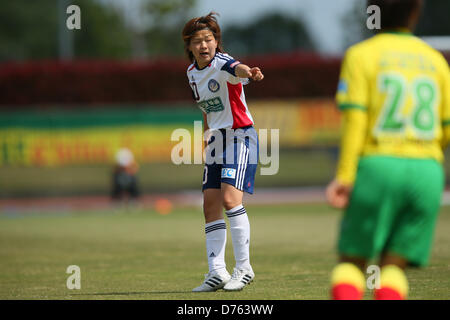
x: 396, y: 13
x: 201, y: 23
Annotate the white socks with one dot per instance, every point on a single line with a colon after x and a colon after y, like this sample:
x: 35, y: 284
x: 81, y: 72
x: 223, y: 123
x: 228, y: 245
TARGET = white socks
x: 216, y: 238
x: 240, y: 235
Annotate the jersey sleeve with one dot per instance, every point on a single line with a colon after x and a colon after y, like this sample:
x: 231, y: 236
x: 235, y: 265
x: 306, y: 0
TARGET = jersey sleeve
x: 352, y: 141
x: 352, y: 91
x: 228, y: 64
x: 352, y: 99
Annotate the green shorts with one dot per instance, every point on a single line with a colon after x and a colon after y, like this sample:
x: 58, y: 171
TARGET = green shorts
x: 393, y: 208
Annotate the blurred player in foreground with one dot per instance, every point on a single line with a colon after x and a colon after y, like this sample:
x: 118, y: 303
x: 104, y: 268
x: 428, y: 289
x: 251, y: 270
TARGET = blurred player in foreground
x: 125, y: 184
x: 394, y: 94
x: 216, y: 80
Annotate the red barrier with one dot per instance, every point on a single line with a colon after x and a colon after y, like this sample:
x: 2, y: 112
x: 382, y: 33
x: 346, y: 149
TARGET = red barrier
x: 88, y: 83
x: 293, y: 75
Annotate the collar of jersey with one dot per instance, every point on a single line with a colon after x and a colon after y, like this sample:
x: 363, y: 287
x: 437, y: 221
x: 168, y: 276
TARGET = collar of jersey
x: 208, y: 65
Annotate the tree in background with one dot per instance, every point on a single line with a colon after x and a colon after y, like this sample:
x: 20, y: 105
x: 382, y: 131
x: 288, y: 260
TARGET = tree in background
x: 103, y: 33
x: 270, y: 33
x: 166, y: 20
x: 29, y: 31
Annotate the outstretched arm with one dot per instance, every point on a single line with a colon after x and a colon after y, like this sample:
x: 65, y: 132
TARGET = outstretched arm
x: 244, y: 71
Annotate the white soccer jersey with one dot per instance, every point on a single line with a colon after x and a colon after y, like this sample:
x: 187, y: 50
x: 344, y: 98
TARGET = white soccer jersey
x: 219, y: 93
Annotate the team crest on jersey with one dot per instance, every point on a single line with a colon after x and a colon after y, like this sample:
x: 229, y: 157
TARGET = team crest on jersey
x: 213, y: 85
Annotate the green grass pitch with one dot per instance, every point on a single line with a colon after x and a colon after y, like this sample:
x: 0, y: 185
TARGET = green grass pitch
x: 143, y: 255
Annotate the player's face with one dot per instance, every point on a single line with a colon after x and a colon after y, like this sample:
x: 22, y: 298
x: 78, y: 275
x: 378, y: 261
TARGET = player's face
x: 203, y: 46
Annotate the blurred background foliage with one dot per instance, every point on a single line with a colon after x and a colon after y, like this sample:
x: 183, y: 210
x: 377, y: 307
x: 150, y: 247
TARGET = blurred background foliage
x: 29, y: 29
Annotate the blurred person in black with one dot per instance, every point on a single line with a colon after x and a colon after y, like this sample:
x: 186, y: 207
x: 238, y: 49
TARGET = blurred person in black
x: 125, y: 182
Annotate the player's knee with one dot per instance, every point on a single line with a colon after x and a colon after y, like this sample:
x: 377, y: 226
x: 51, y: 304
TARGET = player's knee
x: 229, y: 202
x: 231, y: 197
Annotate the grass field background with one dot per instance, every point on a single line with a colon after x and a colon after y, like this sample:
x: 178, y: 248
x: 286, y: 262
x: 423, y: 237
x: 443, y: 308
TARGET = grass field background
x: 140, y: 254
x: 297, y: 167
x: 317, y: 168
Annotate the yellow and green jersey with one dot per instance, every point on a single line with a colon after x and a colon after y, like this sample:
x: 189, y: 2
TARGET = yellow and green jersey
x: 394, y: 92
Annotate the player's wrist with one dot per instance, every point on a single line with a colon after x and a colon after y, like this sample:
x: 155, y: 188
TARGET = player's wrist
x: 344, y: 180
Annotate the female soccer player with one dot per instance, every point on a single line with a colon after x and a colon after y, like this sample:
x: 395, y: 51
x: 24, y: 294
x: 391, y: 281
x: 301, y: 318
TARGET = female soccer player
x: 217, y: 82
x: 394, y: 93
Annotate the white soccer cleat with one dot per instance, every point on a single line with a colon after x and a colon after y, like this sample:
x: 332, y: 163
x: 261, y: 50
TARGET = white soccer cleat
x: 239, y: 279
x: 213, y: 281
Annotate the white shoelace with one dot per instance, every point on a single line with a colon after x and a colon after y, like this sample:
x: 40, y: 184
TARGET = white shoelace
x: 236, y: 274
